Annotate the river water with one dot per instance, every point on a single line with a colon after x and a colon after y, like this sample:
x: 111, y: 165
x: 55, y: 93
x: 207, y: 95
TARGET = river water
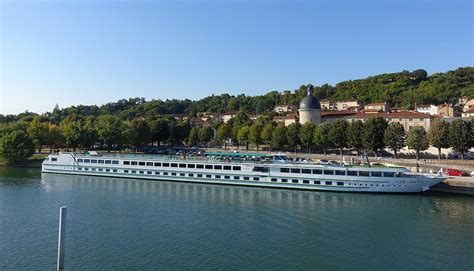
x: 136, y: 224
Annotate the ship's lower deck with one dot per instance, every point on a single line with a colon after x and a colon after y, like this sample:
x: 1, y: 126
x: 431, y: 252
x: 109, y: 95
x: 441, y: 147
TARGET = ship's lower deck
x: 382, y: 185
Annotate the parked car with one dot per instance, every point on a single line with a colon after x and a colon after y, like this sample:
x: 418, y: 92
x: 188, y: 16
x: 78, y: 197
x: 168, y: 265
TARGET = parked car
x: 454, y: 172
x: 457, y: 155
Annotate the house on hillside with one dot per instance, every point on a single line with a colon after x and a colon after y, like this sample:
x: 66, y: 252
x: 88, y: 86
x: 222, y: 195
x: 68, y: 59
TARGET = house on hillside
x: 406, y: 118
x: 288, y: 119
x: 284, y: 108
x: 380, y: 107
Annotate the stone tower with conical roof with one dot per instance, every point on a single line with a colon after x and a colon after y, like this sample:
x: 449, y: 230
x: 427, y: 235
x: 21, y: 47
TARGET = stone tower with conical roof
x: 310, y: 109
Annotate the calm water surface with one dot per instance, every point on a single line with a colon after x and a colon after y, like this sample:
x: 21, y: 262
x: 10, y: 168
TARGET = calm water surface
x: 135, y: 224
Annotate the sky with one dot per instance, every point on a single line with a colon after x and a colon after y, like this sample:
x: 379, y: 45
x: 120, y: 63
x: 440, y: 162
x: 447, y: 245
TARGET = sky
x: 93, y: 52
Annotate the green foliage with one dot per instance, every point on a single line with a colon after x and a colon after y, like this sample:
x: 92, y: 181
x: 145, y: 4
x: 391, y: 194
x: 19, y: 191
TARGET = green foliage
x: 306, y: 135
x: 180, y: 131
x: 355, y: 135
x: 338, y: 134
x: 438, y: 136
x: 109, y: 130
x: 205, y: 134
x: 255, y: 134
x: 159, y: 129
x: 293, y: 135
x: 321, y: 136
x: 373, y: 137
x: 223, y: 133
x: 279, y: 136
x: 417, y: 140
x: 243, y: 135
x: 15, y: 147
x: 461, y: 136
x: 267, y: 133
x: 38, y: 132
x: 395, y: 137
x: 142, y: 132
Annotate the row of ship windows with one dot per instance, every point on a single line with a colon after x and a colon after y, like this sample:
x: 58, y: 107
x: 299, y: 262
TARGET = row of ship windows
x: 159, y: 164
x: 226, y: 177
x: 341, y: 172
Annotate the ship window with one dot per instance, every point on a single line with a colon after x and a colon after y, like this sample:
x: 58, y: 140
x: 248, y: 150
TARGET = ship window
x: 305, y: 181
x: 134, y: 171
x: 208, y: 166
x: 389, y: 174
x: 295, y: 170
x: 256, y: 178
x: 191, y: 175
x: 217, y: 176
x: 107, y: 170
x: 157, y: 173
x: 165, y: 173
x: 173, y: 173
x: 181, y: 174
x: 376, y: 174
x: 166, y: 164
x: 284, y: 170
x: 217, y: 167
x: 100, y: 169
x: 199, y: 166
x: 93, y: 161
x: 340, y: 183
x: 236, y: 168
x: 79, y: 168
x: 125, y: 171
x: 274, y: 179
x: 100, y: 161
x: 352, y: 173
x: 182, y: 165
x: 157, y: 164
x: 246, y: 178
x: 149, y: 164
x: 208, y: 176
x: 236, y: 178
x: 126, y: 162
x: 340, y: 172
x: 199, y: 175
x: 93, y: 169
x: 329, y: 172
x: 364, y: 173
x: 226, y: 177
x: 306, y: 171
x: 80, y: 160
x: 260, y: 169
x: 317, y: 171
x: 108, y: 161
x: 294, y: 181
x: 227, y: 167
x: 114, y: 170
x: 133, y: 163
x: 191, y: 165
x: 148, y: 172
x: 328, y: 183
x: 284, y: 180
x: 317, y: 182
x: 141, y: 163
x: 86, y: 168
x: 174, y: 165
x: 115, y: 162
x: 54, y: 159
x: 141, y: 172
x: 87, y: 160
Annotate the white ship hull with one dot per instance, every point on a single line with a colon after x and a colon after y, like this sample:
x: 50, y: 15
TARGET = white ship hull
x: 245, y: 175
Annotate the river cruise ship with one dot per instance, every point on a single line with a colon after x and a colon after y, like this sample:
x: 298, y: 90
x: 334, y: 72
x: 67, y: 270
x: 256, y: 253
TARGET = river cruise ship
x: 274, y: 171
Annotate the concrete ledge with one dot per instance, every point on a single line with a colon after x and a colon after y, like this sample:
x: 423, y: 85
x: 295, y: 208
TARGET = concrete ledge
x: 456, y: 185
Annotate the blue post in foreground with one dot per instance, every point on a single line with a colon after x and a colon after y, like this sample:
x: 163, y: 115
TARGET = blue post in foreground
x: 62, y: 236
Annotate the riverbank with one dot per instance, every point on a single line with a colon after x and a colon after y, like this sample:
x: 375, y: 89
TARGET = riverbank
x: 33, y: 162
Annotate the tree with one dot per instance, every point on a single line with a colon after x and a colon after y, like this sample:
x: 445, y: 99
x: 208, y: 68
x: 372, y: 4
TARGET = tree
x: 438, y: 136
x: 279, y: 136
x: 160, y: 130
x: 233, y: 135
x: 193, y: 137
x: 461, y: 136
x: 16, y: 147
x: 243, y: 136
x: 38, y: 132
x: 374, y: 134
x: 71, y: 131
x: 395, y: 137
x: 54, y: 137
x: 417, y: 140
x: 223, y: 133
x: 255, y: 134
x: 129, y: 134
x: 142, y: 131
x: 88, y: 135
x: 205, y: 134
x: 180, y: 131
x: 321, y: 136
x: 338, y: 134
x: 267, y: 134
x: 355, y: 135
x: 306, y: 135
x: 109, y: 130
x: 293, y: 135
